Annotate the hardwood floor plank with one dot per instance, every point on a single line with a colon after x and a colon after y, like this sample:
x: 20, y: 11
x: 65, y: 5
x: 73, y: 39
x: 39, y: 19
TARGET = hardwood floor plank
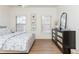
x: 44, y: 46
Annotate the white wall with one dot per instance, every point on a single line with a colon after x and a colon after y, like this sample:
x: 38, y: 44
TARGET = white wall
x: 4, y: 16
x: 72, y: 19
x: 38, y: 11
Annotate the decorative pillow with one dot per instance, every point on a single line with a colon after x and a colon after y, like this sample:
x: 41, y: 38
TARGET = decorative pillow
x: 4, y: 31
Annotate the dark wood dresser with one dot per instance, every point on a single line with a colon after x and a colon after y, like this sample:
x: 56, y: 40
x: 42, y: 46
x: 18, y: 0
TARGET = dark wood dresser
x: 64, y: 39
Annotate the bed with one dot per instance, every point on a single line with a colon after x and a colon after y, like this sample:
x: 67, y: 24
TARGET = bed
x: 18, y: 42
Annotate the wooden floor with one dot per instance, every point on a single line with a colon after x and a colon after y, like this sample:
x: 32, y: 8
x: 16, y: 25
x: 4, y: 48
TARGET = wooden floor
x: 44, y: 46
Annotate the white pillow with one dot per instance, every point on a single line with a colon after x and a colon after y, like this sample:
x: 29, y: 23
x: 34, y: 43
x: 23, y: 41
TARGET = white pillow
x: 4, y: 31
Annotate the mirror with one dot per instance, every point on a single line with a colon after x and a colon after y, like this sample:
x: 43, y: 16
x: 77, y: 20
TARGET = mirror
x: 63, y: 21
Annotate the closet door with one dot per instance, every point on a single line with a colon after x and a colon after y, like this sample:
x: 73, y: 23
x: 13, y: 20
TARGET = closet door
x: 46, y: 24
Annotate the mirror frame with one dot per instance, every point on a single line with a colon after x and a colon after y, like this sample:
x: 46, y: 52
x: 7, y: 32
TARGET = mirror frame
x: 64, y: 13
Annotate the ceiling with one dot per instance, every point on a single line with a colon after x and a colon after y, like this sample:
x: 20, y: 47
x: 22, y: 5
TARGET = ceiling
x: 32, y: 5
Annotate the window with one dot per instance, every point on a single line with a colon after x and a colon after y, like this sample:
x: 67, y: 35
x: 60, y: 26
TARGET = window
x: 21, y: 23
x: 46, y: 24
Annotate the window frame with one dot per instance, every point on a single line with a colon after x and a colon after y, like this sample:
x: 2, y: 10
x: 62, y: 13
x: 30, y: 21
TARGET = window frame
x: 45, y: 24
x: 19, y: 23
